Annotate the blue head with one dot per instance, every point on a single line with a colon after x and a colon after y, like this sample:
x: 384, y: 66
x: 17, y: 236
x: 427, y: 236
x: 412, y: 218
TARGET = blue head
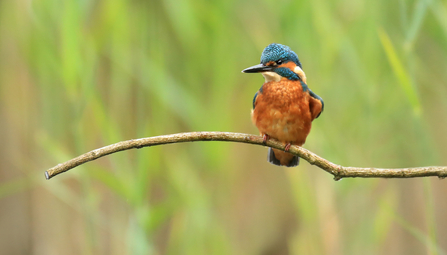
x: 279, y: 54
x: 278, y: 61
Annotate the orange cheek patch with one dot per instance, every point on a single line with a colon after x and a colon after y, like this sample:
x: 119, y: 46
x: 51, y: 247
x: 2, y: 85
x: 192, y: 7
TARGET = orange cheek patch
x: 289, y: 65
x: 296, y: 69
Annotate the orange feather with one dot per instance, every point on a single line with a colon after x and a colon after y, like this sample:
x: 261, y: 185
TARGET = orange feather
x: 285, y: 112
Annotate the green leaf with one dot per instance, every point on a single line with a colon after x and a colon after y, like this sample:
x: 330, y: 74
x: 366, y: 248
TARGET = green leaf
x: 400, y: 72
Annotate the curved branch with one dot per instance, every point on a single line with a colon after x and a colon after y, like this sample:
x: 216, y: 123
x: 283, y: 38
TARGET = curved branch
x: 336, y: 170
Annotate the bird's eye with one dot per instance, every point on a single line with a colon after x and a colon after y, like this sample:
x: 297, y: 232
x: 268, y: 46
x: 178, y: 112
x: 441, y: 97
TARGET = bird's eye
x: 279, y: 62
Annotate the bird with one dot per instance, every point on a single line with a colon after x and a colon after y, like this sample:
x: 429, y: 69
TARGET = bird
x: 284, y: 107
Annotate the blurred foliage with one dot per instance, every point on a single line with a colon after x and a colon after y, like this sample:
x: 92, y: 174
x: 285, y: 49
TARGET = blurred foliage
x: 78, y: 75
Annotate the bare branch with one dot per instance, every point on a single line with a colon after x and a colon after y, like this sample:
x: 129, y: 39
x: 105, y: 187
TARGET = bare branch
x: 336, y: 170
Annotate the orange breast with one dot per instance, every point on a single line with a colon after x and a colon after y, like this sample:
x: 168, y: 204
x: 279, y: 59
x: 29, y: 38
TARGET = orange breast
x: 282, y: 112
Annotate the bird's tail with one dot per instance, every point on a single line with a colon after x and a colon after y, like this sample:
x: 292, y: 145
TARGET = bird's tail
x: 281, y: 158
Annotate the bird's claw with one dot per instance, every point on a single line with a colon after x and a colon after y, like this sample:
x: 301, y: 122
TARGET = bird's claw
x: 287, y: 148
x: 265, y: 139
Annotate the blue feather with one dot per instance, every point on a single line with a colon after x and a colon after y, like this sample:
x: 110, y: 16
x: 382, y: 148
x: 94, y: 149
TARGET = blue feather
x: 254, y: 100
x: 276, y: 51
x: 312, y: 94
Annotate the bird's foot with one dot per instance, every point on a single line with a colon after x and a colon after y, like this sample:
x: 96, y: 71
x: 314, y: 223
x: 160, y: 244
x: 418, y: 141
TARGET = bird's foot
x: 265, y: 139
x: 287, y: 148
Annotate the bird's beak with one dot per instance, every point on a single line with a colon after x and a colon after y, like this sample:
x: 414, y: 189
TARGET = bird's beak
x: 258, y: 69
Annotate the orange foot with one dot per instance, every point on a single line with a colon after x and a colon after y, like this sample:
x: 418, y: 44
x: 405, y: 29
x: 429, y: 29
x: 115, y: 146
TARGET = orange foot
x: 265, y: 139
x: 287, y: 148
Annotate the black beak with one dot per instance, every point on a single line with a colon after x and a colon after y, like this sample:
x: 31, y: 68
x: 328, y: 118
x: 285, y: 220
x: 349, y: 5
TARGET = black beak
x: 258, y: 69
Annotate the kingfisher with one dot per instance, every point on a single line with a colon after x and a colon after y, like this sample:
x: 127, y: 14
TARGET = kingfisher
x: 284, y: 107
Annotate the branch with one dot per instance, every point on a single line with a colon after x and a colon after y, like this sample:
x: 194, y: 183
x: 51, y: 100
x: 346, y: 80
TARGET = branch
x: 336, y: 170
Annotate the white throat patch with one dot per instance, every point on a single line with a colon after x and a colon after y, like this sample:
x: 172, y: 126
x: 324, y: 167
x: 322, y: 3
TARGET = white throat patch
x: 271, y: 76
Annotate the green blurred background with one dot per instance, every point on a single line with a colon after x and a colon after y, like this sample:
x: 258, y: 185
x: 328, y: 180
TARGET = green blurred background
x: 79, y: 75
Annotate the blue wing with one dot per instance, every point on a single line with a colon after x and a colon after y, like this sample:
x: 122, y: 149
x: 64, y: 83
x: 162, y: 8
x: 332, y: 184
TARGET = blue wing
x: 254, y: 100
x: 256, y: 95
x: 312, y: 94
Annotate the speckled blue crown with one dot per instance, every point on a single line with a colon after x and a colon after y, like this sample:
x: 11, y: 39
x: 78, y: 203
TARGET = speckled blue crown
x: 276, y: 51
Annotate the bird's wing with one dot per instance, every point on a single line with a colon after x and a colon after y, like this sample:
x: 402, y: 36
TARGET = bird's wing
x: 254, y: 99
x: 316, y: 104
x: 256, y: 95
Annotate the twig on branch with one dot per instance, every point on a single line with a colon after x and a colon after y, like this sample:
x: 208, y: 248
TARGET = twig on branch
x: 336, y: 170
